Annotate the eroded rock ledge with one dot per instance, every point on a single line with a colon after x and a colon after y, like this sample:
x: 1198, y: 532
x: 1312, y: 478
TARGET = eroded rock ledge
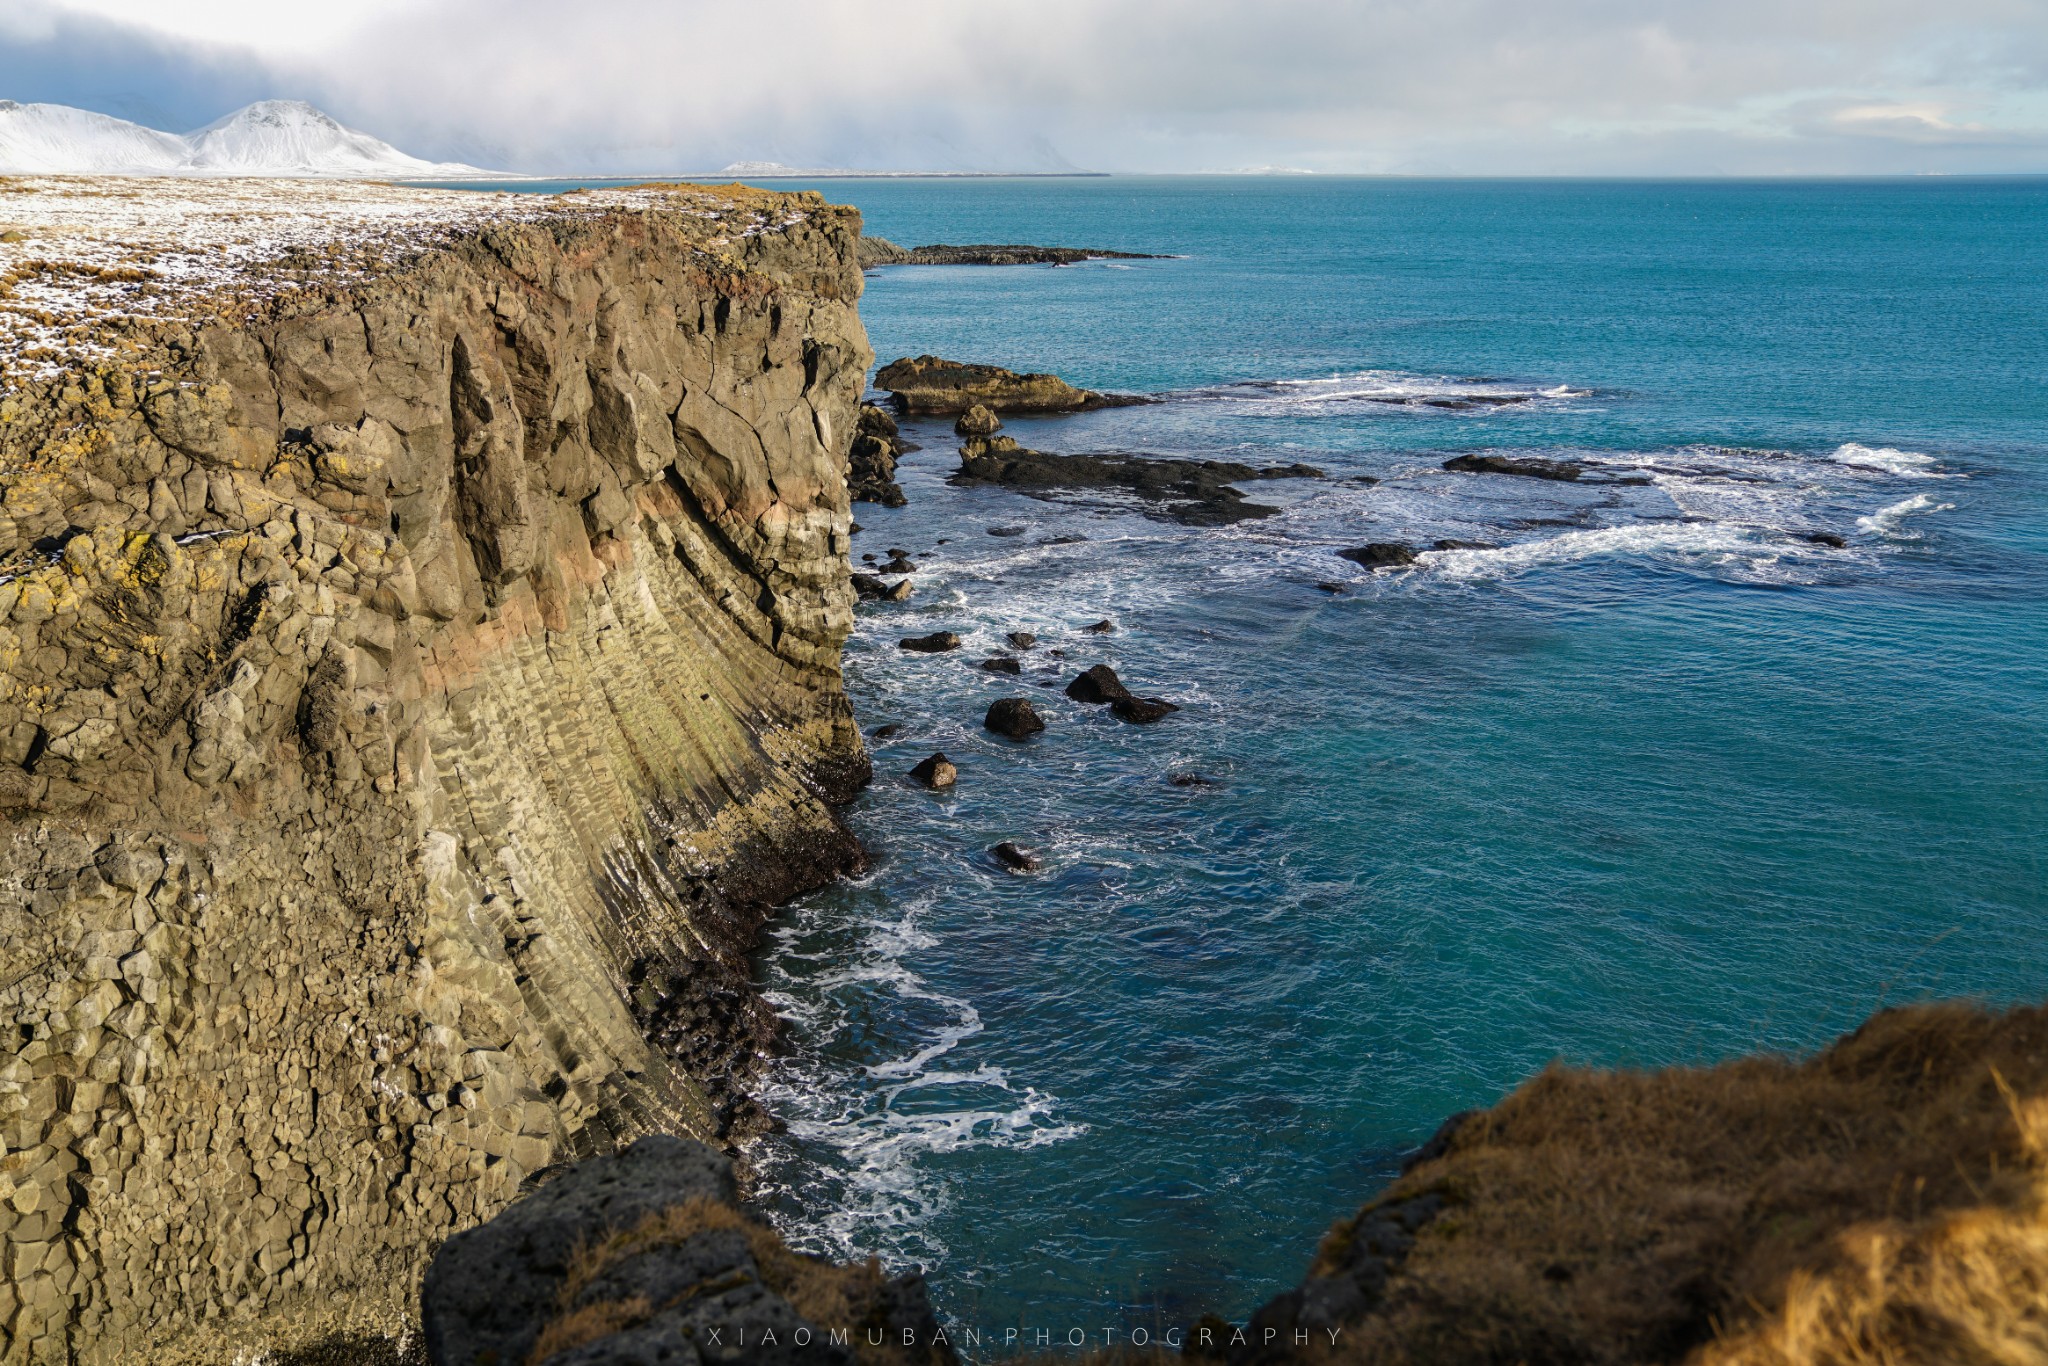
x: 418, y: 673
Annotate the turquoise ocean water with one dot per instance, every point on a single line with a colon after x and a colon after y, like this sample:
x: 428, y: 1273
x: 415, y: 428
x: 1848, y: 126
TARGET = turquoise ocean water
x: 1659, y: 780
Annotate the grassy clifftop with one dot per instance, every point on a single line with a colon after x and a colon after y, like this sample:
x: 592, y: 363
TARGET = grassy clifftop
x: 1880, y: 1203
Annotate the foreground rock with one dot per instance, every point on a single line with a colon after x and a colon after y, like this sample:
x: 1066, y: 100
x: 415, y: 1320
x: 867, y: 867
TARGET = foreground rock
x: 1191, y: 492
x: 871, y: 461
x: 643, y: 1258
x: 880, y: 251
x: 936, y: 772
x: 869, y: 588
x: 1017, y: 858
x: 1141, y: 711
x: 1380, y: 555
x: 976, y: 421
x: 419, y: 675
x: 1527, y: 466
x: 1096, y: 685
x: 1014, y: 717
x: 927, y: 384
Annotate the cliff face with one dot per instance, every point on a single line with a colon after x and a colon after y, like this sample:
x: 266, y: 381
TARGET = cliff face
x: 418, y: 672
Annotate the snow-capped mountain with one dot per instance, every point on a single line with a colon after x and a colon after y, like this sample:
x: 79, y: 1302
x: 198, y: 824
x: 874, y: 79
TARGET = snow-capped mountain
x: 270, y: 138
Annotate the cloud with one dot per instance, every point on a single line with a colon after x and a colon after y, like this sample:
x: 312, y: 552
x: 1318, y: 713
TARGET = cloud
x: 1450, y: 86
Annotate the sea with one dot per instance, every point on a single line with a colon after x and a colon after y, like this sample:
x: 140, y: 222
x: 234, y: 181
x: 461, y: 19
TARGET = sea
x: 1642, y: 774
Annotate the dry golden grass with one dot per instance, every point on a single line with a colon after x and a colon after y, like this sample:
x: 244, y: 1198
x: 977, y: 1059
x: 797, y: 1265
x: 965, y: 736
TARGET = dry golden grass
x: 826, y: 1295
x: 1884, y: 1203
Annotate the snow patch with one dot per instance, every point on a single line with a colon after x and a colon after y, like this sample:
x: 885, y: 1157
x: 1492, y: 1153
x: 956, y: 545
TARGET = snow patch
x: 270, y: 138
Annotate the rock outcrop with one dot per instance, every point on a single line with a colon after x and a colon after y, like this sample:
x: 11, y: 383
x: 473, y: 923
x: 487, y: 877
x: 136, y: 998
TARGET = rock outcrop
x: 1191, y: 492
x: 929, y: 385
x: 880, y: 251
x: 871, y: 463
x: 643, y: 1258
x: 1526, y: 466
x: 419, y: 672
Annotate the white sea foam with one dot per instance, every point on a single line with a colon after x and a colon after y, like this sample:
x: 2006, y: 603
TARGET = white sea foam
x: 1888, y: 460
x: 883, y: 1136
x: 1384, y: 390
x: 1889, y: 521
x: 1713, y: 541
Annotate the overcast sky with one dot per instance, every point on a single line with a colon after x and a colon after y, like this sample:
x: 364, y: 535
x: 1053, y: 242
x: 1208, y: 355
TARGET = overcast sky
x: 1413, y: 86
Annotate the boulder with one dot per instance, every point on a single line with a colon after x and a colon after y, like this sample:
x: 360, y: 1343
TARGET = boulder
x: 976, y: 421
x: 1006, y: 531
x: 1017, y: 858
x: 936, y: 772
x: 1141, y: 711
x: 1097, y: 684
x: 1191, y: 779
x: 868, y: 588
x: 1827, y: 538
x: 938, y: 642
x: 884, y: 732
x: 1463, y: 545
x: 1023, y: 640
x: 1380, y: 555
x: 899, y: 565
x: 1101, y: 628
x: 1014, y: 717
x: 1002, y: 664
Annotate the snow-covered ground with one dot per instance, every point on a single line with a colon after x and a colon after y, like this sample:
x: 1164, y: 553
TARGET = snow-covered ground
x: 271, y: 138
x: 81, y: 257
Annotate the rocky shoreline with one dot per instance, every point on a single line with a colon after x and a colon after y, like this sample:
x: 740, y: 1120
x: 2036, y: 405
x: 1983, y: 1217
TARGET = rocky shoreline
x: 419, y: 679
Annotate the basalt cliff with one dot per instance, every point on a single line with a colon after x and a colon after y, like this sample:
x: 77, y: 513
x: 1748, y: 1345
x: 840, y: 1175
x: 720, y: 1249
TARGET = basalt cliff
x: 419, y: 671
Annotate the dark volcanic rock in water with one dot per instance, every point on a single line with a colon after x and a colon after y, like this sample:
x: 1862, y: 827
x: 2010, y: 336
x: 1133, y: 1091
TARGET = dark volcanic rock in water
x: 1464, y: 545
x: 660, y: 1257
x: 1096, y: 685
x: 1013, y: 717
x: 928, y: 384
x: 1023, y: 640
x: 1380, y: 555
x: 1141, y: 710
x: 868, y: 588
x: 976, y: 421
x: 1101, y: 628
x: 1528, y: 466
x: 1006, y: 531
x: 936, y: 772
x: 871, y: 461
x: 1191, y: 780
x: 1827, y: 538
x: 938, y: 642
x: 880, y: 251
x: 898, y: 565
x: 1017, y: 858
x: 1332, y: 586
x: 1192, y: 492
x: 884, y: 732
x: 1002, y: 664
